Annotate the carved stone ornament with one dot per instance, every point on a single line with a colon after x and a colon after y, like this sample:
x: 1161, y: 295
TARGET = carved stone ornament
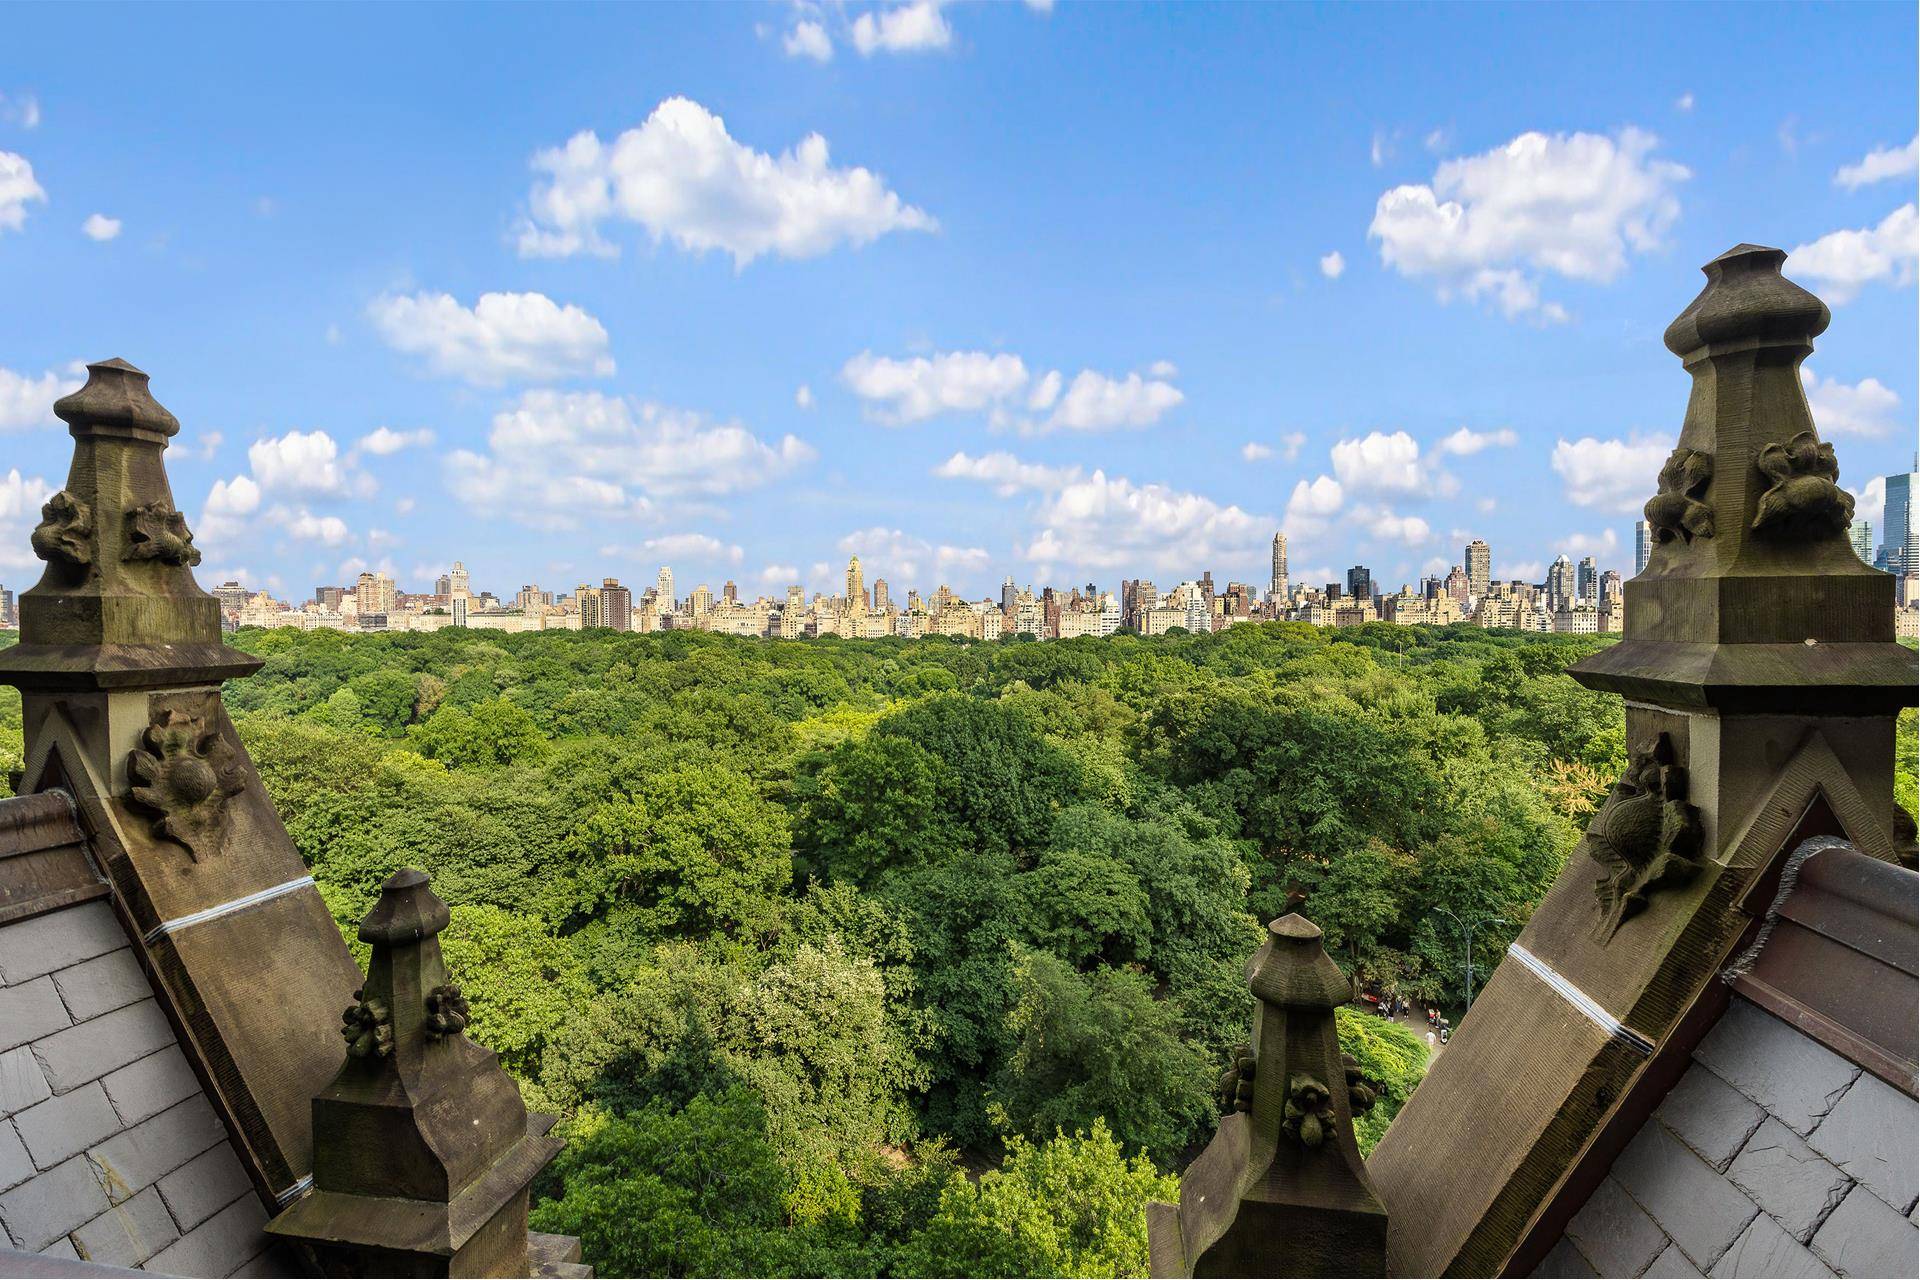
x: 65, y: 533
x: 1309, y: 1118
x: 367, y: 1028
x: 1362, y: 1093
x: 1646, y: 836
x: 158, y: 532
x: 187, y: 772
x: 447, y: 1012
x: 1235, y: 1086
x: 1804, y: 497
x: 1677, y: 511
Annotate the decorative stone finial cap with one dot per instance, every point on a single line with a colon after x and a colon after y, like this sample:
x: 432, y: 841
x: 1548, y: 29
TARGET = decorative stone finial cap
x: 116, y: 399
x: 1293, y: 970
x: 1747, y: 300
x: 407, y: 912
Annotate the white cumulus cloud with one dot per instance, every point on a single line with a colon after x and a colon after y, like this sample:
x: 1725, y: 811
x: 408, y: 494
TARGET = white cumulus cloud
x: 1333, y: 264
x: 803, y: 396
x: 26, y: 401
x: 1254, y: 451
x: 20, y: 502
x: 1097, y: 402
x: 384, y: 441
x: 913, y: 27
x: 1870, y: 504
x: 685, y: 179
x: 1006, y: 473
x: 301, y: 462
x: 1610, y: 475
x: 1379, y: 462
x: 1099, y: 522
x: 1866, y: 408
x: 902, y: 391
x: 502, y: 337
x: 1466, y: 441
x: 556, y: 459
x: 1489, y: 226
x: 99, y: 226
x: 18, y: 189
x: 903, y: 557
x: 1313, y: 505
x: 1880, y: 164
x: 1841, y: 263
x: 808, y: 39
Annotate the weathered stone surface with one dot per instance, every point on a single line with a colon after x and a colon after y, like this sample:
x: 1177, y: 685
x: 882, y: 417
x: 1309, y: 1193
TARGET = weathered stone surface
x: 1614, y: 1233
x: 1764, y: 1250
x: 103, y: 984
x: 151, y: 1085
x: 1787, y: 1178
x: 16, y: 1166
x: 128, y: 1234
x: 1795, y: 1079
x: 1701, y: 1211
x: 1870, y: 1135
x: 1865, y: 1238
x: 1672, y: 1264
x: 1565, y: 1262
x: 80, y: 1054
x: 67, y: 1125
x: 22, y: 1083
x: 219, y: 1246
x: 30, y: 1011
x: 1710, y: 1115
x: 204, y: 1185
x: 44, y: 1208
x: 57, y: 940
x: 131, y: 1161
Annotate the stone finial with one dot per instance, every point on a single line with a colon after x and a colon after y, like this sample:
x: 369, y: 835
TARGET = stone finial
x: 1752, y: 595
x: 1281, y: 1189
x: 423, y: 1150
x: 117, y: 606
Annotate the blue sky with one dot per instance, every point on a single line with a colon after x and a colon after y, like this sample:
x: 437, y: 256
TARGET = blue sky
x: 1044, y: 279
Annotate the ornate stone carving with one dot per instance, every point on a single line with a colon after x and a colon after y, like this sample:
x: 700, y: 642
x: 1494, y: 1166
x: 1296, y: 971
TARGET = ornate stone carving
x: 367, y: 1028
x: 1676, y: 511
x: 1235, y: 1086
x: 65, y: 533
x: 1362, y: 1093
x: 447, y: 1012
x: 1804, y: 497
x: 187, y: 772
x: 1309, y: 1116
x: 158, y: 532
x: 1646, y: 836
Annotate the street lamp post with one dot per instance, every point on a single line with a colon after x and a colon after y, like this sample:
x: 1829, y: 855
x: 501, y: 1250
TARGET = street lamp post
x: 1466, y: 930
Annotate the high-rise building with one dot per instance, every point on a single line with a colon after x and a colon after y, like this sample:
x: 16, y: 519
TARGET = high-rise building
x: 856, y: 587
x: 458, y: 582
x: 730, y: 592
x: 616, y: 605
x: 232, y: 597
x: 1642, y: 546
x: 1279, y: 581
x: 1860, y: 534
x: 8, y: 621
x: 1587, y: 580
x: 1458, y: 586
x: 329, y: 597
x: 373, y: 593
x: 1360, y: 582
x: 1479, y: 568
x: 881, y: 601
x: 1561, y: 584
x: 586, y: 602
x: 1008, y: 594
x: 443, y: 586
x: 796, y: 599
x: 664, y: 586
x: 530, y: 597
x: 1902, y: 549
x: 700, y: 602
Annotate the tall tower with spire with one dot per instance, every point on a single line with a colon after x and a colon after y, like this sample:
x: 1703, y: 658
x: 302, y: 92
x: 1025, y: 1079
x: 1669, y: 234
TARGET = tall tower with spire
x: 1278, y: 589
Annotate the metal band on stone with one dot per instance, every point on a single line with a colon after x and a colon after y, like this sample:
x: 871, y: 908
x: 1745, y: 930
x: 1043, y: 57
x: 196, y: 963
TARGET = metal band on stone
x: 295, y: 1191
x: 1580, y: 1000
x: 226, y: 908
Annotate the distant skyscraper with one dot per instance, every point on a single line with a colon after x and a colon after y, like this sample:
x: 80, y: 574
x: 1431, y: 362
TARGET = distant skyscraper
x: 232, y: 597
x: 1642, y: 546
x: 856, y: 586
x: 616, y: 605
x: 7, y: 622
x: 1860, y: 534
x: 1902, y: 531
x: 1010, y: 594
x: 881, y: 601
x: 458, y: 582
x: 1561, y: 583
x: 1360, y: 582
x: 1479, y: 568
x: 730, y: 592
x: 664, y: 586
x: 1587, y: 580
x: 1279, y: 587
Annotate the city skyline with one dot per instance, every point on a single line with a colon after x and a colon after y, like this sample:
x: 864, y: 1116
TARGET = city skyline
x: 749, y: 301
